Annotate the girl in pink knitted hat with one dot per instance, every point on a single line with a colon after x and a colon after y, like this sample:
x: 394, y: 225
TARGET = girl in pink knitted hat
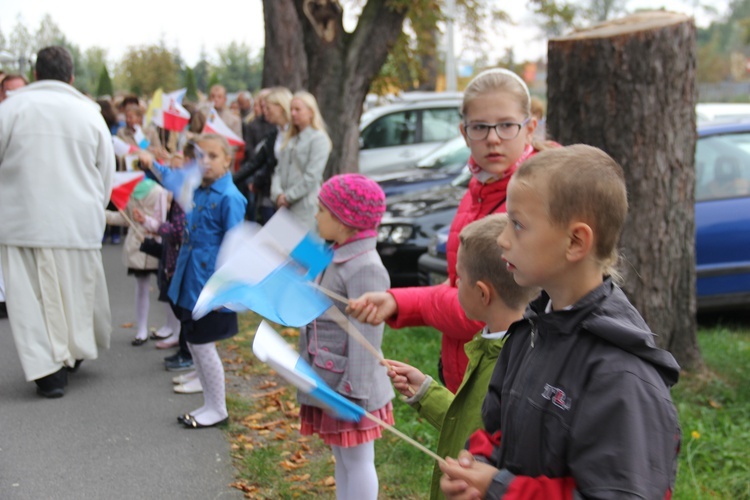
x: 350, y: 209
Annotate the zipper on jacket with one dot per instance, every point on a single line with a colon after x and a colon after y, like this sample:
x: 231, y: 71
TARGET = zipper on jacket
x: 533, y: 332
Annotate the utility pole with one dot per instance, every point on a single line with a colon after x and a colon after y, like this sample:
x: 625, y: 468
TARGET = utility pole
x: 450, y: 59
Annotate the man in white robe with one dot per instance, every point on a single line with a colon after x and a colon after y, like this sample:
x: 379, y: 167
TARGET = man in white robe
x: 56, y: 169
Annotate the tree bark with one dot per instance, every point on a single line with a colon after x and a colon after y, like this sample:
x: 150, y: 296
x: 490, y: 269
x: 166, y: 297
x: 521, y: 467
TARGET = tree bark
x: 335, y: 66
x: 628, y: 87
x: 284, y: 60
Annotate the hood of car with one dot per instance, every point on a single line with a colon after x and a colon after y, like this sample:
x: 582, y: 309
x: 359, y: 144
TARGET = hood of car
x: 415, y: 204
x: 415, y: 180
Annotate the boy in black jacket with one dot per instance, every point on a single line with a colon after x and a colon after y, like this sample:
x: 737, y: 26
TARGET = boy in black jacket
x: 578, y: 405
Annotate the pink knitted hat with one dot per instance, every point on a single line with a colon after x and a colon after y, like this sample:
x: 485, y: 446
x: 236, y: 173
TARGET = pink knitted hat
x: 354, y: 199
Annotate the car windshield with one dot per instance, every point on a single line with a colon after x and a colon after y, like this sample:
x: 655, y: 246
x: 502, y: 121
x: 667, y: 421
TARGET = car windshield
x: 449, y: 153
x: 722, y: 167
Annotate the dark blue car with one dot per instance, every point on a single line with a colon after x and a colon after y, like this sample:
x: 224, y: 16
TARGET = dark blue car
x: 722, y: 219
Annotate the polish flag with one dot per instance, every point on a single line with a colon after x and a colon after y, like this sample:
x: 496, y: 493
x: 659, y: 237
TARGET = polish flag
x: 122, y: 148
x: 215, y: 125
x: 123, y: 186
x: 169, y: 113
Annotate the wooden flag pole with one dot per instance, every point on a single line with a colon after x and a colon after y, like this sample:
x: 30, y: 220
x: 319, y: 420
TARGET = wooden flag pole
x: 404, y: 437
x: 346, y: 324
x: 130, y: 223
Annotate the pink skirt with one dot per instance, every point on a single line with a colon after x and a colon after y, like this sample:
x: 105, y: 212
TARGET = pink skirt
x: 335, y: 432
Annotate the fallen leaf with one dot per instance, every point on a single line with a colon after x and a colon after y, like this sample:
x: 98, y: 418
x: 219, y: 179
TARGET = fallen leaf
x: 267, y: 384
x: 714, y: 404
x: 329, y: 481
x: 303, y: 477
x: 126, y: 325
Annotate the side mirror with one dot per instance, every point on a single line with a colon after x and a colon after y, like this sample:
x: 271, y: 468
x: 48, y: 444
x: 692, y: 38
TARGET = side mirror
x: 361, y: 143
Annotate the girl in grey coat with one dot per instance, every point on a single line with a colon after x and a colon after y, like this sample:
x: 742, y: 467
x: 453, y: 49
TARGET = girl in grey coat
x: 301, y: 161
x: 350, y: 209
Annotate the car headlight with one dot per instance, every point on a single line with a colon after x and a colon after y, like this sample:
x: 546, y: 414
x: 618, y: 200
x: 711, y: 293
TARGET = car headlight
x: 397, y: 234
x: 384, y: 232
x: 400, y: 234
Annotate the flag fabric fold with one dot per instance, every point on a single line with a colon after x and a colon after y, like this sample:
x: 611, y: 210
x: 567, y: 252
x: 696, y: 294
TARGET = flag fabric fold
x: 215, y: 125
x: 140, y: 138
x: 169, y: 113
x: 271, y: 348
x: 183, y: 182
x: 123, y: 186
x: 121, y: 147
x: 260, y: 273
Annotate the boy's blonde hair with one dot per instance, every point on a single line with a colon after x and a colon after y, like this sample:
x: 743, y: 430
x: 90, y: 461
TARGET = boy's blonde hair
x: 481, y: 257
x: 583, y: 183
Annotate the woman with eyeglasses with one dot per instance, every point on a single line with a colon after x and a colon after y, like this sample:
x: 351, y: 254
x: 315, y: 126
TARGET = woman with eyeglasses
x: 499, y: 129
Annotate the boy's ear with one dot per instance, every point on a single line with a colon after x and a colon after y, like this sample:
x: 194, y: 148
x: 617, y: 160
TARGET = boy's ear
x: 485, y: 292
x: 581, y: 241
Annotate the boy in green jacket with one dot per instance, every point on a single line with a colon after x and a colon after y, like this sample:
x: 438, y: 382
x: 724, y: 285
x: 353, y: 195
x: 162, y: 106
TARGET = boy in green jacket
x: 488, y: 293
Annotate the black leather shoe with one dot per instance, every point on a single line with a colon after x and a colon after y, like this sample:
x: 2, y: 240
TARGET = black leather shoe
x: 53, y: 385
x: 3, y: 311
x: 190, y: 422
x: 74, y: 368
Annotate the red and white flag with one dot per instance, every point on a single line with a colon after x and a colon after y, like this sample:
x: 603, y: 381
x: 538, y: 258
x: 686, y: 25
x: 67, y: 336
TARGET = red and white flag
x: 215, y: 125
x: 170, y: 114
x: 123, y: 186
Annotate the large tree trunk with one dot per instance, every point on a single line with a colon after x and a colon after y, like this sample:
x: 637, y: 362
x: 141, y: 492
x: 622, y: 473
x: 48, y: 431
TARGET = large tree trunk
x: 337, y: 67
x: 628, y: 87
x: 284, y: 60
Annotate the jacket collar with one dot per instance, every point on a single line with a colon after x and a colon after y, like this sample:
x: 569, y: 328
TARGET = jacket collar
x: 220, y: 184
x: 55, y: 86
x: 348, y: 251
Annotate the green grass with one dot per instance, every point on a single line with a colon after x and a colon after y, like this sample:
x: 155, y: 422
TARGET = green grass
x: 713, y: 406
x: 714, y: 410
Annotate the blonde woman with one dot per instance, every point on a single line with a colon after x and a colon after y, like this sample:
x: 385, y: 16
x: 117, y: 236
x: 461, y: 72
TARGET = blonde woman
x: 256, y: 173
x: 304, y: 153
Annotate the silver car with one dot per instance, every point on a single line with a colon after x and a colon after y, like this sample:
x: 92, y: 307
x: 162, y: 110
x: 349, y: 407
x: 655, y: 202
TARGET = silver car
x: 393, y: 136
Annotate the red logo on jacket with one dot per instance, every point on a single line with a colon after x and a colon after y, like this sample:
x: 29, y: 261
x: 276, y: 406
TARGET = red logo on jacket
x: 557, y: 396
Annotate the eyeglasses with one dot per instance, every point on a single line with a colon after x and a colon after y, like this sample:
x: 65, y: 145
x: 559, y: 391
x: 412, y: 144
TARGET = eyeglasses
x: 504, y: 130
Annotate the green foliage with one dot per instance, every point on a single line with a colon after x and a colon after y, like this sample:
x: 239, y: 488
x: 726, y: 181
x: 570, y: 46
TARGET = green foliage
x: 191, y: 87
x: 147, y: 68
x: 105, y: 83
x: 237, y: 70
x: 213, y: 80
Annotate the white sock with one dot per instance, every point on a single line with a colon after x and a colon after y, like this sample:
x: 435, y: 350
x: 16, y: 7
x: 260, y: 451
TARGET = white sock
x: 339, y: 473
x: 196, y: 366
x: 171, y: 323
x: 141, y: 306
x: 360, y: 479
x: 211, y: 374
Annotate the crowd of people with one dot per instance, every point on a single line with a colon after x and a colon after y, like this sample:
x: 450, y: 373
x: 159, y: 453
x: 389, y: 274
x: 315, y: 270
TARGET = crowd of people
x: 551, y: 385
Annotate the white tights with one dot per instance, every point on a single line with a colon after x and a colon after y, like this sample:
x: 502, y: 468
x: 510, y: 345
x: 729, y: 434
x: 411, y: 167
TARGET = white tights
x: 356, y: 477
x: 210, y: 371
x: 142, y: 301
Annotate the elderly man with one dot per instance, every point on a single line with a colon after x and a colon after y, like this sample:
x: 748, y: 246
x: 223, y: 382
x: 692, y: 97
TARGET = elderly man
x: 56, y: 171
x: 218, y: 96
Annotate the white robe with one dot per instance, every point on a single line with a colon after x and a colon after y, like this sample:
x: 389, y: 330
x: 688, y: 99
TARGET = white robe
x: 56, y: 168
x: 58, y: 306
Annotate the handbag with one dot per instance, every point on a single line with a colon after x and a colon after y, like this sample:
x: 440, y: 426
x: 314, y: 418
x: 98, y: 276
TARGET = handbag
x: 151, y: 247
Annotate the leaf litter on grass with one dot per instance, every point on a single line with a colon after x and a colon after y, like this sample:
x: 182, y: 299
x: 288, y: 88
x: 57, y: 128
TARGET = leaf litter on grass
x: 265, y: 418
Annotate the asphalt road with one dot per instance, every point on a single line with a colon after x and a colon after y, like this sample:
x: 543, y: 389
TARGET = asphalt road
x: 114, y: 435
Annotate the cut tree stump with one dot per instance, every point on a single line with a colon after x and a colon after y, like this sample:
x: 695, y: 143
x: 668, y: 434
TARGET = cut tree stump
x: 627, y: 86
